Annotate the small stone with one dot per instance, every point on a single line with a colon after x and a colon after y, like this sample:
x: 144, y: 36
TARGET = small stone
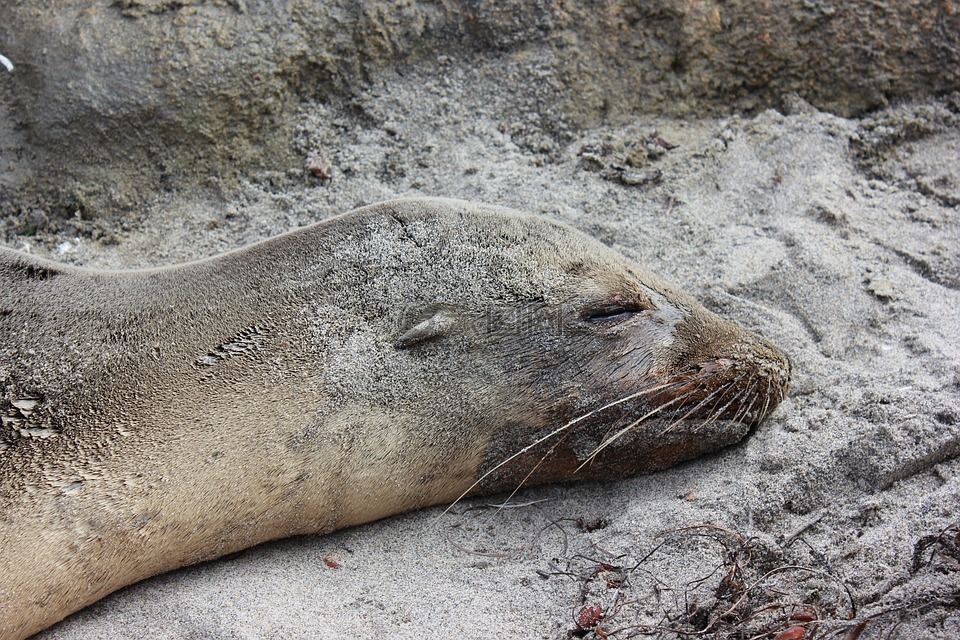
x: 26, y: 405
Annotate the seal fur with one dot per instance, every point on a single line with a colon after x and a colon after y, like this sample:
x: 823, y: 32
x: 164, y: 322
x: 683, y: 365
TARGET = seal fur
x: 397, y: 356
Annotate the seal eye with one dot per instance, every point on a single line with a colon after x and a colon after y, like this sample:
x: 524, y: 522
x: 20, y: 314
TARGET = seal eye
x: 613, y: 312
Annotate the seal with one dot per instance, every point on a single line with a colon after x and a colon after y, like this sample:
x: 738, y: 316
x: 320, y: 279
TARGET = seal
x: 401, y: 355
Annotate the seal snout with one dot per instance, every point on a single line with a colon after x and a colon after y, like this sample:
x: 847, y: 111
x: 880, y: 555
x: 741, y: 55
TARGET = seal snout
x: 735, y: 375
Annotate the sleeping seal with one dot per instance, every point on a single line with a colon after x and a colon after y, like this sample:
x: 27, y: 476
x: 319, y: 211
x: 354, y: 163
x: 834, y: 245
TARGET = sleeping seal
x: 397, y: 356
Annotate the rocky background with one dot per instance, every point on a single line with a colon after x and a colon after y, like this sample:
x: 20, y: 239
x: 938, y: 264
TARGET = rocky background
x: 796, y: 165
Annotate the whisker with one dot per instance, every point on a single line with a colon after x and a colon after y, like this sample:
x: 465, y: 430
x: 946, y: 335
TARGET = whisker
x: 718, y: 394
x: 535, y: 467
x: 663, y: 386
x: 766, y: 401
x: 680, y: 380
x: 766, y: 408
x: 603, y: 445
x: 533, y: 444
x: 700, y: 375
x: 744, y: 410
x: 655, y: 389
x: 695, y: 407
x: 716, y: 413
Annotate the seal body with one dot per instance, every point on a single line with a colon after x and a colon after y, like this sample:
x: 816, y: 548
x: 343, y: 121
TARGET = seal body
x: 398, y: 356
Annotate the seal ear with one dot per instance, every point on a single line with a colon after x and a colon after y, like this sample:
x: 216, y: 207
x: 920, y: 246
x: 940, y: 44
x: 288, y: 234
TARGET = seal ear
x: 439, y: 324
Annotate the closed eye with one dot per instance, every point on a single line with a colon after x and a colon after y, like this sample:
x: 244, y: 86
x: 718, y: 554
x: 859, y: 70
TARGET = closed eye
x: 610, y: 312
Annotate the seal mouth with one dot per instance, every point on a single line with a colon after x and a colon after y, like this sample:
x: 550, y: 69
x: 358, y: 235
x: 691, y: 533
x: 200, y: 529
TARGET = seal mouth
x: 697, y: 399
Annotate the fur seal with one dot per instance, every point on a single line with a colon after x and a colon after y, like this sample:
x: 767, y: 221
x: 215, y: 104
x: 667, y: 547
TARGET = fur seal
x: 397, y: 356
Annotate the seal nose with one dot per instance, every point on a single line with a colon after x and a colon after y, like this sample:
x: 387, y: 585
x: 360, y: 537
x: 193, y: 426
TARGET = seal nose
x: 765, y: 375
x: 726, y: 372
x: 769, y: 362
